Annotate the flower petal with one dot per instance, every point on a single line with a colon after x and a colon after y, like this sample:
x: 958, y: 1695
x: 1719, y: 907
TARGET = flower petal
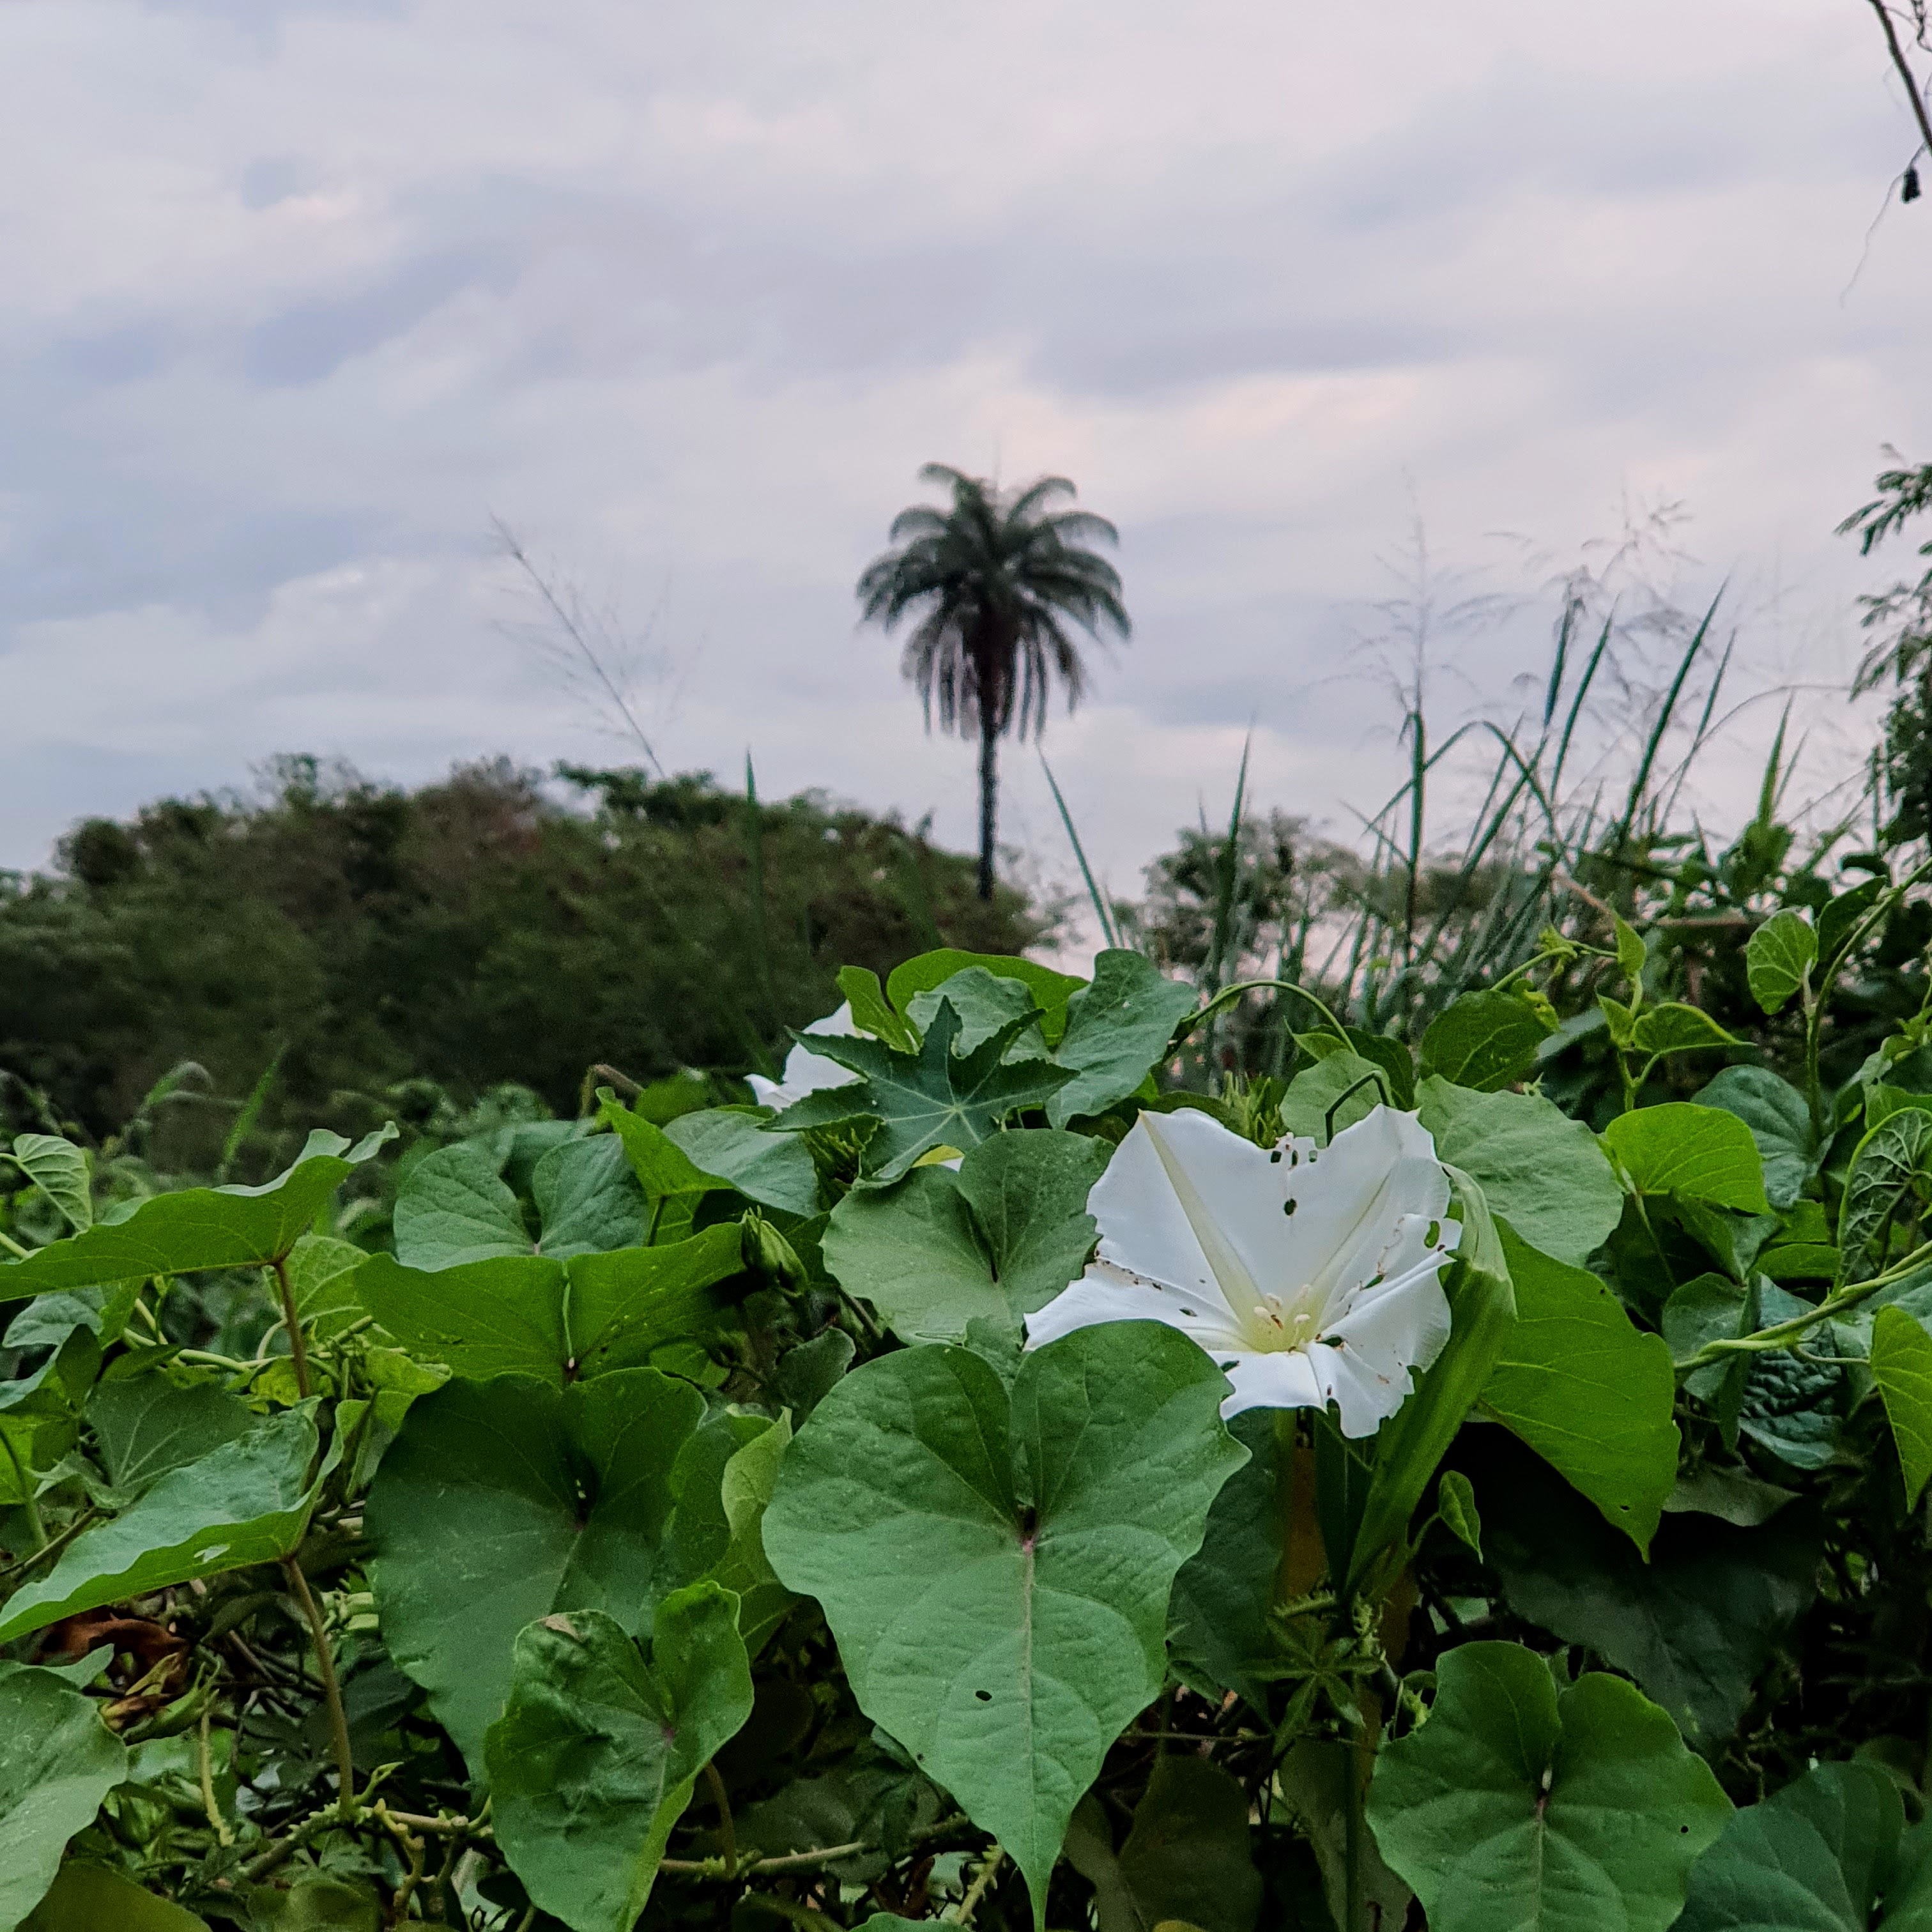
x: 1359, y: 1188
x: 1284, y: 1380
x: 1106, y: 1293
x: 1144, y: 1227
x: 1403, y: 1324
x: 806, y: 1071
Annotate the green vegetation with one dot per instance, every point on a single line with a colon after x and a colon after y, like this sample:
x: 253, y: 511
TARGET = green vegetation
x: 394, y: 953
x: 1404, y: 1398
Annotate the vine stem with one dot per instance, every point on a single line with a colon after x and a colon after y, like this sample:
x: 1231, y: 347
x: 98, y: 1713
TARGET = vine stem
x: 331, y: 1688
x: 995, y: 1858
x: 727, y: 1835
x: 1782, y: 1333
x: 298, y: 1347
x: 1228, y: 995
x: 204, y: 1765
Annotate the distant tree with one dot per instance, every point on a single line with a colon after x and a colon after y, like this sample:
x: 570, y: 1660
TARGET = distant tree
x: 997, y: 582
x: 470, y: 932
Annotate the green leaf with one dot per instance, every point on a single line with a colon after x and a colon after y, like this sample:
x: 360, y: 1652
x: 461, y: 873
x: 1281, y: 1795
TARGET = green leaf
x: 1621, y: 1019
x: 57, y: 1761
x: 245, y: 1502
x: 1812, y: 1858
x: 1515, y: 1807
x: 1187, y: 1852
x: 872, y: 1011
x: 984, y: 1005
x: 1050, y: 991
x: 1674, y: 1028
x: 1696, y: 1625
x: 1844, y: 916
x: 1319, y: 1102
x: 997, y: 1570
x: 731, y: 1143
x: 456, y: 1208
x: 672, y: 1183
x: 322, y: 1278
x: 1487, y: 1040
x: 314, y: 1901
x: 1456, y: 1504
x: 147, y: 1426
x: 936, y: 1098
x: 199, y: 1228
x: 1218, y: 1614
x: 1117, y: 1030
x: 1890, y: 1173
x: 595, y: 1757
x: 558, y: 1321
x: 1392, y: 1056
x: 91, y: 1898
x: 1901, y: 1365
x: 1700, y: 1154
x: 1790, y: 1405
x: 996, y: 1240
x: 1779, y: 1120
x: 501, y: 1502
x: 59, y: 1170
x: 588, y: 1200
x: 1777, y: 958
x: 1585, y: 1389
x: 1544, y: 1173
x: 1409, y: 1447
x: 1631, y: 952
x: 744, y: 1492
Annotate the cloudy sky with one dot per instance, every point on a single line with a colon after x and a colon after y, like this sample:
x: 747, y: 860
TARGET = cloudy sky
x: 303, y: 293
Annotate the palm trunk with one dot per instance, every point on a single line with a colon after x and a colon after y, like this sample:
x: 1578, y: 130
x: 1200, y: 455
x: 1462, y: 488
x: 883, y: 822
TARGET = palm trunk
x: 989, y: 787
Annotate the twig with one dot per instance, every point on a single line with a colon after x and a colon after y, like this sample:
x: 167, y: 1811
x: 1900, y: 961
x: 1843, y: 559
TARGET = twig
x: 1904, y: 67
x: 331, y: 1688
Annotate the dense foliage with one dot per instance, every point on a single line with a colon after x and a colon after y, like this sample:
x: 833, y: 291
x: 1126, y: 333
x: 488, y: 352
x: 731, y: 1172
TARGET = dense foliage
x: 473, y: 931
x: 657, y: 1513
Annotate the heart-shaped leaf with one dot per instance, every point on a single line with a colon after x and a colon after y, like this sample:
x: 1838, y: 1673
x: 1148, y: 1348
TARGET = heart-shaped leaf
x: 1514, y: 1806
x: 995, y: 1241
x: 558, y: 1321
x: 595, y: 1757
x: 996, y: 1567
x: 503, y: 1501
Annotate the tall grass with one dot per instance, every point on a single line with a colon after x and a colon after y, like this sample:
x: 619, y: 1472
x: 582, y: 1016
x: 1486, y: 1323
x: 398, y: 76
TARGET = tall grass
x: 1581, y: 807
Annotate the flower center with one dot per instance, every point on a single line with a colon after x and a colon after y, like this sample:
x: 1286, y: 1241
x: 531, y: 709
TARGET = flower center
x: 1281, y: 1324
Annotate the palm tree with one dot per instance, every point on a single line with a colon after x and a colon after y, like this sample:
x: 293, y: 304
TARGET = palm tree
x: 998, y: 581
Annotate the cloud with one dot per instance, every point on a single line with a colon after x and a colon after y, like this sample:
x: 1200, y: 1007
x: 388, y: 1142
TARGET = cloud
x: 688, y: 296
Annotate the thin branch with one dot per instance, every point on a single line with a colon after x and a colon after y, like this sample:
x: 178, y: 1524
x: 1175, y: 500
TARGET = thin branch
x: 1905, y: 73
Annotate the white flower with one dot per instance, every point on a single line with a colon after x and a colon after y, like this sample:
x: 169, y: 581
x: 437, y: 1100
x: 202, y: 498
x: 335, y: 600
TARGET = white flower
x: 1310, y: 1274
x: 807, y: 1073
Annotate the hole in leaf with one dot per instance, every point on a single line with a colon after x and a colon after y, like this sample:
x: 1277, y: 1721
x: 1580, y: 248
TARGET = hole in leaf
x: 1288, y: 1207
x: 986, y: 1697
